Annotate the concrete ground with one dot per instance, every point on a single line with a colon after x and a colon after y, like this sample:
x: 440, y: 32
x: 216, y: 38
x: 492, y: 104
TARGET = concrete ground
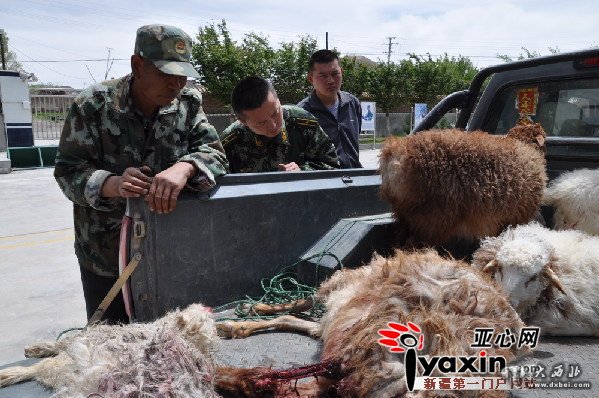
x: 40, y: 289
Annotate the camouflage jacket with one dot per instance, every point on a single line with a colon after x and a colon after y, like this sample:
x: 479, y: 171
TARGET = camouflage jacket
x: 301, y: 140
x: 102, y: 136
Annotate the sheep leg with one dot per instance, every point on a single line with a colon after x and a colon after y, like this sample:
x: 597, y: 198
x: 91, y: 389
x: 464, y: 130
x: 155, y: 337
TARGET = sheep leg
x: 260, y: 382
x: 41, y: 350
x: 241, y: 329
x: 271, y: 309
x: 19, y: 374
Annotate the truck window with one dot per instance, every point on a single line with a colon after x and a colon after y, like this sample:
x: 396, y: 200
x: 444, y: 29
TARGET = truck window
x: 566, y: 108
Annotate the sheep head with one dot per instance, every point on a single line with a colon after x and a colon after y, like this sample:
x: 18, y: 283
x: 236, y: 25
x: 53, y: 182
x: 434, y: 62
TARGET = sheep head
x: 521, y: 264
x: 529, y: 133
x: 196, y: 325
x: 391, y: 159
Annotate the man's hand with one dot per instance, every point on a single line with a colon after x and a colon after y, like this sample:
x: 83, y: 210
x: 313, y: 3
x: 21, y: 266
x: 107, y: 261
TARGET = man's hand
x: 166, y: 186
x: 289, y: 167
x: 134, y: 183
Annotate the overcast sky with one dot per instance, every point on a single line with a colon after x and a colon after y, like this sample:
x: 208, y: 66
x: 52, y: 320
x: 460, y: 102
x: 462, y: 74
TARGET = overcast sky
x: 76, y: 30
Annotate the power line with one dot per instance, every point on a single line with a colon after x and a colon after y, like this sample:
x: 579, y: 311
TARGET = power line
x: 78, y: 60
x: 36, y: 42
x: 53, y: 70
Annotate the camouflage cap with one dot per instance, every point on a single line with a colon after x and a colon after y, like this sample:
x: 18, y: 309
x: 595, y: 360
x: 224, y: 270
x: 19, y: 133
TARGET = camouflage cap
x: 168, y: 47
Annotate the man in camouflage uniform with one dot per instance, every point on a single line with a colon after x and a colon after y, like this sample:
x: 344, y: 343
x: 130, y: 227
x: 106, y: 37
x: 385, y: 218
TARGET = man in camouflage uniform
x: 141, y: 135
x: 271, y: 137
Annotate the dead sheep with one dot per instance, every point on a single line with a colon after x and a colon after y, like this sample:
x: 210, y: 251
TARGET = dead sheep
x: 574, y: 197
x: 549, y: 276
x: 170, y: 357
x: 451, y: 184
x: 446, y: 298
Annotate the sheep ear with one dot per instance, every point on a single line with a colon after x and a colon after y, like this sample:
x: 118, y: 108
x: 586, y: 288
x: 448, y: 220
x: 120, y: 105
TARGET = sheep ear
x: 540, y: 140
x: 554, y: 280
x: 491, y: 266
x: 180, y: 321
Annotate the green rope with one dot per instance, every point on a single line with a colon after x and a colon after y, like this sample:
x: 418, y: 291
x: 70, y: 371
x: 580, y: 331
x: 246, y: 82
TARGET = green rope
x: 285, y: 287
x: 67, y: 331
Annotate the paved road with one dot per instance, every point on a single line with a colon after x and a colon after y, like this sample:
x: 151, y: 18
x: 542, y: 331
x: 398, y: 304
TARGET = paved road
x: 40, y: 288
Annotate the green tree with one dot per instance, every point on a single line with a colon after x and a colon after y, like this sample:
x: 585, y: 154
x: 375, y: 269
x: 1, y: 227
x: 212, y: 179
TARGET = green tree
x: 526, y: 54
x: 356, y: 76
x: 436, y: 78
x: 459, y: 71
x: 290, y: 69
x: 221, y: 62
x: 257, y: 55
x: 389, y: 85
x: 10, y: 58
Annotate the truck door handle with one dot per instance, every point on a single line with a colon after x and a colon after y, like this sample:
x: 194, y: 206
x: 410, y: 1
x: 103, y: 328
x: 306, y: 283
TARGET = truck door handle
x: 347, y: 180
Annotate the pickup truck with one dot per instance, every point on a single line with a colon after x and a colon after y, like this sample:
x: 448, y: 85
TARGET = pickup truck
x: 216, y: 247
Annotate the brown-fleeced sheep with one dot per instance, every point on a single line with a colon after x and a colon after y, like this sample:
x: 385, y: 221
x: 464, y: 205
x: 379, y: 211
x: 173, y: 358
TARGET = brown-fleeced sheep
x: 451, y: 184
x: 170, y: 357
x: 445, y: 298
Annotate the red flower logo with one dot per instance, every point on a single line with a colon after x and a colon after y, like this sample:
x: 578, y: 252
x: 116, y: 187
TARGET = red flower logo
x: 399, y: 337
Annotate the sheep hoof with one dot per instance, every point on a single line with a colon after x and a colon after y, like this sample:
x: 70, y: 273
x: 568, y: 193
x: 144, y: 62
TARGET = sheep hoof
x: 233, y: 330
x: 41, y: 350
x: 225, y: 329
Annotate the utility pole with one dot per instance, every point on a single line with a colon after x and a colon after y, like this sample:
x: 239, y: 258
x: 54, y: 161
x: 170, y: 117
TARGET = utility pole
x: 327, y: 40
x: 389, y: 51
x: 2, y: 49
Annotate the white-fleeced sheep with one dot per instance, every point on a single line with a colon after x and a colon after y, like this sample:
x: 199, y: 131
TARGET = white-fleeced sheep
x: 549, y: 276
x: 575, y: 198
x: 170, y: 357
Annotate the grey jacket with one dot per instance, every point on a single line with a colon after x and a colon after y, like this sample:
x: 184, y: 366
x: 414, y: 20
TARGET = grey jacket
x: 343, y: 132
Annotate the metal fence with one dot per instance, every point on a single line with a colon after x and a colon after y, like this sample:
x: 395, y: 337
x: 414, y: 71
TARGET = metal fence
x: 49, y: 112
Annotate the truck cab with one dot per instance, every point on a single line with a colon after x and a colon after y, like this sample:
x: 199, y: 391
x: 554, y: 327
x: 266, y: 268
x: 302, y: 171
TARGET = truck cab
x: 561, y: 92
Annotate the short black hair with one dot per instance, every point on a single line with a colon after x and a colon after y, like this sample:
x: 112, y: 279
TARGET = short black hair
x: 322, y: 57
x: 250, y: 93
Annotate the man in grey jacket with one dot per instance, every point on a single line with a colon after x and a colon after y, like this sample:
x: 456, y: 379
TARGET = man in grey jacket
x: 338, y: 112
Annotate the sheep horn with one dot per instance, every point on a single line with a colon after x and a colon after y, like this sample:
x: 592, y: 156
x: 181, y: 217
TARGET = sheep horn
x: 554, y: 280
x: 491, y: 266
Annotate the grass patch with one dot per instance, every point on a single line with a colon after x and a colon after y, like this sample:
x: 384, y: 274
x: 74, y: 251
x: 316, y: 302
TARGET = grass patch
x: 52, y: 116
x: 379, y: 140
x: 369, y: 140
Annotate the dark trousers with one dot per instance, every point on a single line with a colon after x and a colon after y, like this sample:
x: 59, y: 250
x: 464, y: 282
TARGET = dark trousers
x: 95, y: 288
